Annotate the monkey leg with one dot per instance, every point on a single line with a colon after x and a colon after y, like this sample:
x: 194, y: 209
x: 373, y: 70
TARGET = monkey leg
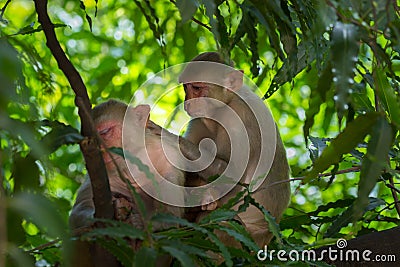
x: 272, y: 199
x: 254, y: 221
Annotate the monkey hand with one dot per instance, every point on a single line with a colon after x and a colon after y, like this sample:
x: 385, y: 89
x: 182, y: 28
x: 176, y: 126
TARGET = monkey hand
x: 153, y: 127
x: 124, y: 210
x: 208, y: 201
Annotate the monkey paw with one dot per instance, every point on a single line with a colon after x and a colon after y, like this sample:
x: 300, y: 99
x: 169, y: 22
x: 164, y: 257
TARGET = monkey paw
x: 210, y: 206
x: 211, y: 203
x: 153, y: 127
x: 124, y: 210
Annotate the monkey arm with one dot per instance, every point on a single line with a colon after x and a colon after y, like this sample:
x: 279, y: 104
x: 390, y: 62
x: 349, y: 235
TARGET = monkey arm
x: 190, y: 149
x: 192, y: 152
x: 83, y: 209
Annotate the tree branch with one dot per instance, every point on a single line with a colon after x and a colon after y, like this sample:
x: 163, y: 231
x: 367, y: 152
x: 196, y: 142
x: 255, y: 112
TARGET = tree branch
x: 93, y: 158
x: 384, y: 243
x: 90, y: 146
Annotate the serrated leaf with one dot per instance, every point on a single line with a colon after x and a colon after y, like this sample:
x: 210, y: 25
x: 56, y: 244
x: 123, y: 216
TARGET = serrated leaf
x: 180, y: 255
x: 121, y: 231
x: 218, y: 215
x: 387, y: 96
x: 344, y: 51
x: 187, y: 8
x: 373, y: 163
x: 289, y: 70
x: 353, y: 134
x: 234, y: 200
x: 186, y: 247
x: 259, y: 10
x: 167, y: 218
x: 170, y: 219
x: 246, y: 240
x: 121, y: 250
x: 146, y: 256
x: 272, y: 225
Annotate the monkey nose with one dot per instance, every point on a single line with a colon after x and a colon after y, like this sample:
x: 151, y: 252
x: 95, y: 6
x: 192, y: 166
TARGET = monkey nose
x: 186, y: 105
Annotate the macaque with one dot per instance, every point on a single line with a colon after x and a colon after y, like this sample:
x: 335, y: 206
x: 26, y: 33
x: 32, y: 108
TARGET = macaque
x: 108, y: 118
x: 229, y: 93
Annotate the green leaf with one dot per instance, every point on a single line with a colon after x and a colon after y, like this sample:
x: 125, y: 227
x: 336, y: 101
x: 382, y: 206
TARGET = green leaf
x: 222, y: 30
x: 317, y: 98
x: 353, y: 134
x: 59, y: 135
x: 218, y: 215
x: 318, y: 145
x: 349, y: 216
x: 146, y: 257
x: 344, y: 51
x: 246, y: 240
x: 184, y: 246
x: 272, y: 225
x: 180, y: 255
x: 23, y: 130
x: 25, y: 173
x: 289, y: 70
x: 117, y: 230
x: 374, y: 162
x: 187, y: 8
x: 167, y: 218
x: 261, y: 11
x: 41, y: 211
x: 121, y: 250
x: 18, y: 257
x: 88, y: 18
x: 387, y: 96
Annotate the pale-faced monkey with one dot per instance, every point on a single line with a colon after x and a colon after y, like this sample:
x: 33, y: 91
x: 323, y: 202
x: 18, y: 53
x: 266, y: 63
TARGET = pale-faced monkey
x: 230, y: 94
x: 109, y: 118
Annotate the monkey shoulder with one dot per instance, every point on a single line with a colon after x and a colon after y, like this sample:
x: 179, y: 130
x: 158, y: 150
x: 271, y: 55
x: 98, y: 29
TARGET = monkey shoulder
x: 83, y: 209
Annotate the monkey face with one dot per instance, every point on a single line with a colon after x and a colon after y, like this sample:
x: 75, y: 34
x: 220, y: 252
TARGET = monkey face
x: 203, y: 99
x: 111, y: 133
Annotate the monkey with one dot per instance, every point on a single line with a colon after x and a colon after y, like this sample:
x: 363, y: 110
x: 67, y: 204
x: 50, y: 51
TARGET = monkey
x: 108, y: 119
x: 211, y: 93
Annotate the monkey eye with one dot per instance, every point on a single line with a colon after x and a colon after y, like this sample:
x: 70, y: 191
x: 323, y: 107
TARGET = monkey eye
x: 104, y: 131
x: 198, y: 86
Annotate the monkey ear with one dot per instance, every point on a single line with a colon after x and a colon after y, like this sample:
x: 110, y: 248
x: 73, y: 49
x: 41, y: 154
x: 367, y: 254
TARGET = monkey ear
x: 234, y: 80
x: 142, y: 112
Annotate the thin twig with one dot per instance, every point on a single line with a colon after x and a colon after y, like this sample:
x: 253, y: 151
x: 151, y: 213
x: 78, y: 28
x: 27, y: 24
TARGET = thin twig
x: 43, y: 246
x: 394, y: 191
x: 352, y: 169
x: 196, y: 20
x: 3, y: 9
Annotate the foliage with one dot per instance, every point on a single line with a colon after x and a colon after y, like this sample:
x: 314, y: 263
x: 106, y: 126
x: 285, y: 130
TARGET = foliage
x: 329, y: 70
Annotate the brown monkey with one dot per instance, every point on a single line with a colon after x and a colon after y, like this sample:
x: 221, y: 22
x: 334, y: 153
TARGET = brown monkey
x: 108, y: 118
x: 226, y: 88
